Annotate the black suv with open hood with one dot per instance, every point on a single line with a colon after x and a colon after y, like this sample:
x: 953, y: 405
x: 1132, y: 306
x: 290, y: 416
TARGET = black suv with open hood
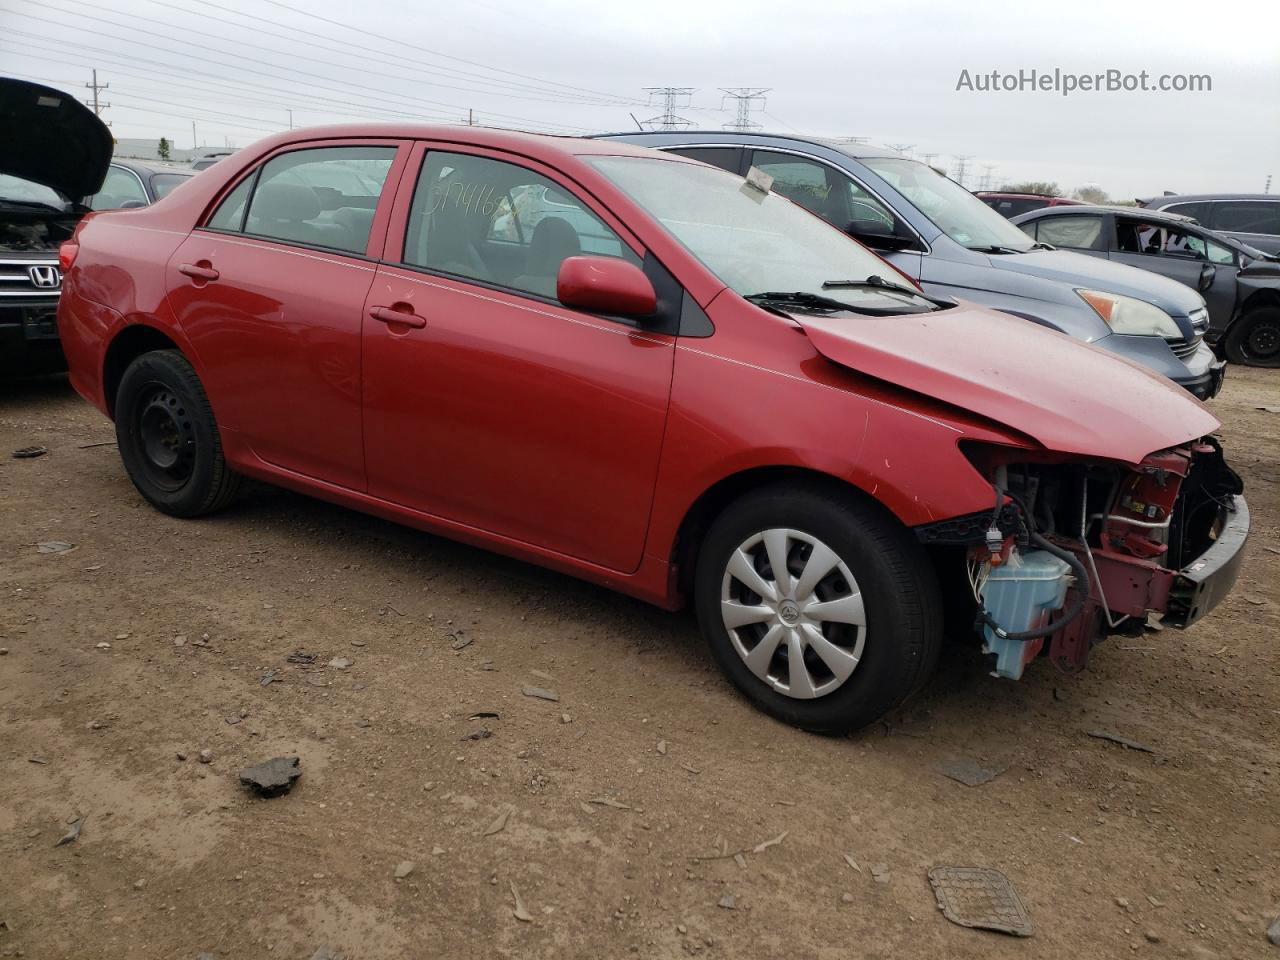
x: 54, y: 153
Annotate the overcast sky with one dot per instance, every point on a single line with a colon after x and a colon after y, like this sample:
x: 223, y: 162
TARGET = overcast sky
x: 885, y: 71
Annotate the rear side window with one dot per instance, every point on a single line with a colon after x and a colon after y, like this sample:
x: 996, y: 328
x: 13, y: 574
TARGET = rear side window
x: 1074, y: 233
x: 501, y: 223
x: 230, y: 213
x: 1247, y: 216
x: 726, y: 158
x: 1198, y: 210
x: 322, y: 197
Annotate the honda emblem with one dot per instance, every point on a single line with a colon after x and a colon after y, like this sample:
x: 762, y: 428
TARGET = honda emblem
x: 46, y: 277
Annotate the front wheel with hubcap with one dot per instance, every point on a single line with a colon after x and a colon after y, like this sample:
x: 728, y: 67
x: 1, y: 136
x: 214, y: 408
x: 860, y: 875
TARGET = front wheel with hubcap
x: 168, y: 437
x: 1254, y: 339
x: 818, y: 606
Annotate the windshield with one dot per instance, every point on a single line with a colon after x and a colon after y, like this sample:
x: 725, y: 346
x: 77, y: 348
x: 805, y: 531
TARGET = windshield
x: 953, y: 209
x: 754, y: 242
x: 24, y: 191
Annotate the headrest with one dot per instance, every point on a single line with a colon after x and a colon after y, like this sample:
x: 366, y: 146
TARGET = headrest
x: 285, y: 201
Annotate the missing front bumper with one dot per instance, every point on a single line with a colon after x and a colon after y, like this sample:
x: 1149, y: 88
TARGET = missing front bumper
x: 1203, y: 583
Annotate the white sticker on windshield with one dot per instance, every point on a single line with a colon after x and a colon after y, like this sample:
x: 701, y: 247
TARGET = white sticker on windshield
x: 759, y: 179
x: 47, y: 101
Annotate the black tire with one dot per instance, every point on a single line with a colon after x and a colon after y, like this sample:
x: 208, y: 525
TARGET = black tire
x: 901, y: 600
x: 169, y: 439
x: 1254, y: 339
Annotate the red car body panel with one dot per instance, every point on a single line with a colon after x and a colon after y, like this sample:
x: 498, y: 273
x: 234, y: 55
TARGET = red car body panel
x: 552, y: 434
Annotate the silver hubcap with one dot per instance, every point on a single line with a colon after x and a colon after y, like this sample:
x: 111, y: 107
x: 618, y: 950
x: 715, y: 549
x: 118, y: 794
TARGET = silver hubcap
x: 794, y: 613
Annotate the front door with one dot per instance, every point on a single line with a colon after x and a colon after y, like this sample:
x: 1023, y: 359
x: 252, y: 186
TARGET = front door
x: 490, y: 404
x: 1183, y: 255
x: 271, y: 293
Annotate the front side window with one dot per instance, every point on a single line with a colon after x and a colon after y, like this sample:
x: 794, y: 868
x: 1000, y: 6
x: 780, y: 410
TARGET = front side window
x: 830, y: 194
x: 322, y: 197
x: 726, y: 158
x: 1074, y: 233
x: 755, y: 242
x: 501, y: 223
x: 1247, y: 216
x: 953, y: 209
x: 1162, y: 240
x: 121, y: 186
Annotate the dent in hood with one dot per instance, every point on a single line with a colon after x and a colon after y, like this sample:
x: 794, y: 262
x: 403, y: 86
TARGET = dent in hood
x: 50, y: 137
x: 1067, y: 395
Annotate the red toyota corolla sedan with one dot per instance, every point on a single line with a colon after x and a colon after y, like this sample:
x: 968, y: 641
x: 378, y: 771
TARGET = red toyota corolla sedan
x: 655, y: 375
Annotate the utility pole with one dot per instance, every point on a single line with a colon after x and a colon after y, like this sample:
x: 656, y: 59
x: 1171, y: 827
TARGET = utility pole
x: 290, y: 111
x: 195, y: 144
x: 471, y: 117
x: 900, y: 148
x: 962, y: 168
x: 1267, y: 188
x: 667, y: 98
x: 745, y: 96
x: 95, y: 87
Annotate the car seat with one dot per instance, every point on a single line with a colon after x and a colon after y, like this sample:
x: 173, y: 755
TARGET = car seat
x: 554, y: 240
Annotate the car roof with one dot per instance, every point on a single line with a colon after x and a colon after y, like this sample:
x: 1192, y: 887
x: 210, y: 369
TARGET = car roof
x: 1184, y: 197
x: 152, y: 166
x: 729, y: 137
x: 1075, y: 210
x: 1019, y: 196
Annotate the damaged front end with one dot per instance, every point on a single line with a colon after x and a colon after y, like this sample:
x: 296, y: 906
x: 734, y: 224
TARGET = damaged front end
x: 1073, y: 551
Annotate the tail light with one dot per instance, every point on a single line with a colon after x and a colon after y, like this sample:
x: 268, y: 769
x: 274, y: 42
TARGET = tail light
x: 67, y: 254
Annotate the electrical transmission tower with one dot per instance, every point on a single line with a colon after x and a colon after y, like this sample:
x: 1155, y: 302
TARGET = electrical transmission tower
x: 928, y: 158
x: 961, y: 168
x: 669, y: 98
x: 900, y: 148
x: 745, y: 96
x: 98, y: 107
x: 852, y: 139
x: 985, y: 182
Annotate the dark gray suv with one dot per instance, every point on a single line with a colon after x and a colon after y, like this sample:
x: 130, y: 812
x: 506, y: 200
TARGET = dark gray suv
x: 937, y: 232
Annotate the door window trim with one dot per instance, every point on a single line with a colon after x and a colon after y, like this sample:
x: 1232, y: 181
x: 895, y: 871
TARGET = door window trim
x: 374, y: 247
x: 667, y: 322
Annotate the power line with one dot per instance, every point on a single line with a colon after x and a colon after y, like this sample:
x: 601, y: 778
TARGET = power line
x: 745, y: 97
x: 382, y: 94
x: 667, y: 98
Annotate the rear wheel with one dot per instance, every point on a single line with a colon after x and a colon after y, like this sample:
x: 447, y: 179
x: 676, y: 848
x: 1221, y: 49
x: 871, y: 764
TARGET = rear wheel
x: 1254, y: 339
x: 168, y: 438
x: 822, y: 609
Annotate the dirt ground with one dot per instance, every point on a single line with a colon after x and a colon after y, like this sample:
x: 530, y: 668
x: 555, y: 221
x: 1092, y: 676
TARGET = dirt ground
x: 150, y: 641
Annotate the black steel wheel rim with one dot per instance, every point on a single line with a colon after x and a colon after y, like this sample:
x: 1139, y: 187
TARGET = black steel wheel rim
x: 1263, y: 341
x: 166, y: 438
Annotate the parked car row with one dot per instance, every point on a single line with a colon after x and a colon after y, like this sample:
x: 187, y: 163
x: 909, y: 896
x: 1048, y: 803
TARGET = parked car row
x: 1240, y: 283
x: 655, y: 374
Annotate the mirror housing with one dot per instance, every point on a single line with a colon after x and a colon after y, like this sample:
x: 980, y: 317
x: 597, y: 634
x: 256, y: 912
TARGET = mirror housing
x: 133, y: 205
x: 605, y: 285
x: 874, y: 239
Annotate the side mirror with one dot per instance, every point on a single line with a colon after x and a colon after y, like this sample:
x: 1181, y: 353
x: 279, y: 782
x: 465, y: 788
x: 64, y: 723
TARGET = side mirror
x: 605, y: 285
x: 1207, y: 276
x: 876, y: 239
x: 133, y: 204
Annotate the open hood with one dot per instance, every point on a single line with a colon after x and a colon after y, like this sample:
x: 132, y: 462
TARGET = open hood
x: 1069, y: 396
x: 51, y: 138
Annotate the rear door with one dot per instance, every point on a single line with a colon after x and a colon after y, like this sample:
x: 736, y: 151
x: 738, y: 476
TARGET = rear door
x: 270, y: 290
x: 491, y: 404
